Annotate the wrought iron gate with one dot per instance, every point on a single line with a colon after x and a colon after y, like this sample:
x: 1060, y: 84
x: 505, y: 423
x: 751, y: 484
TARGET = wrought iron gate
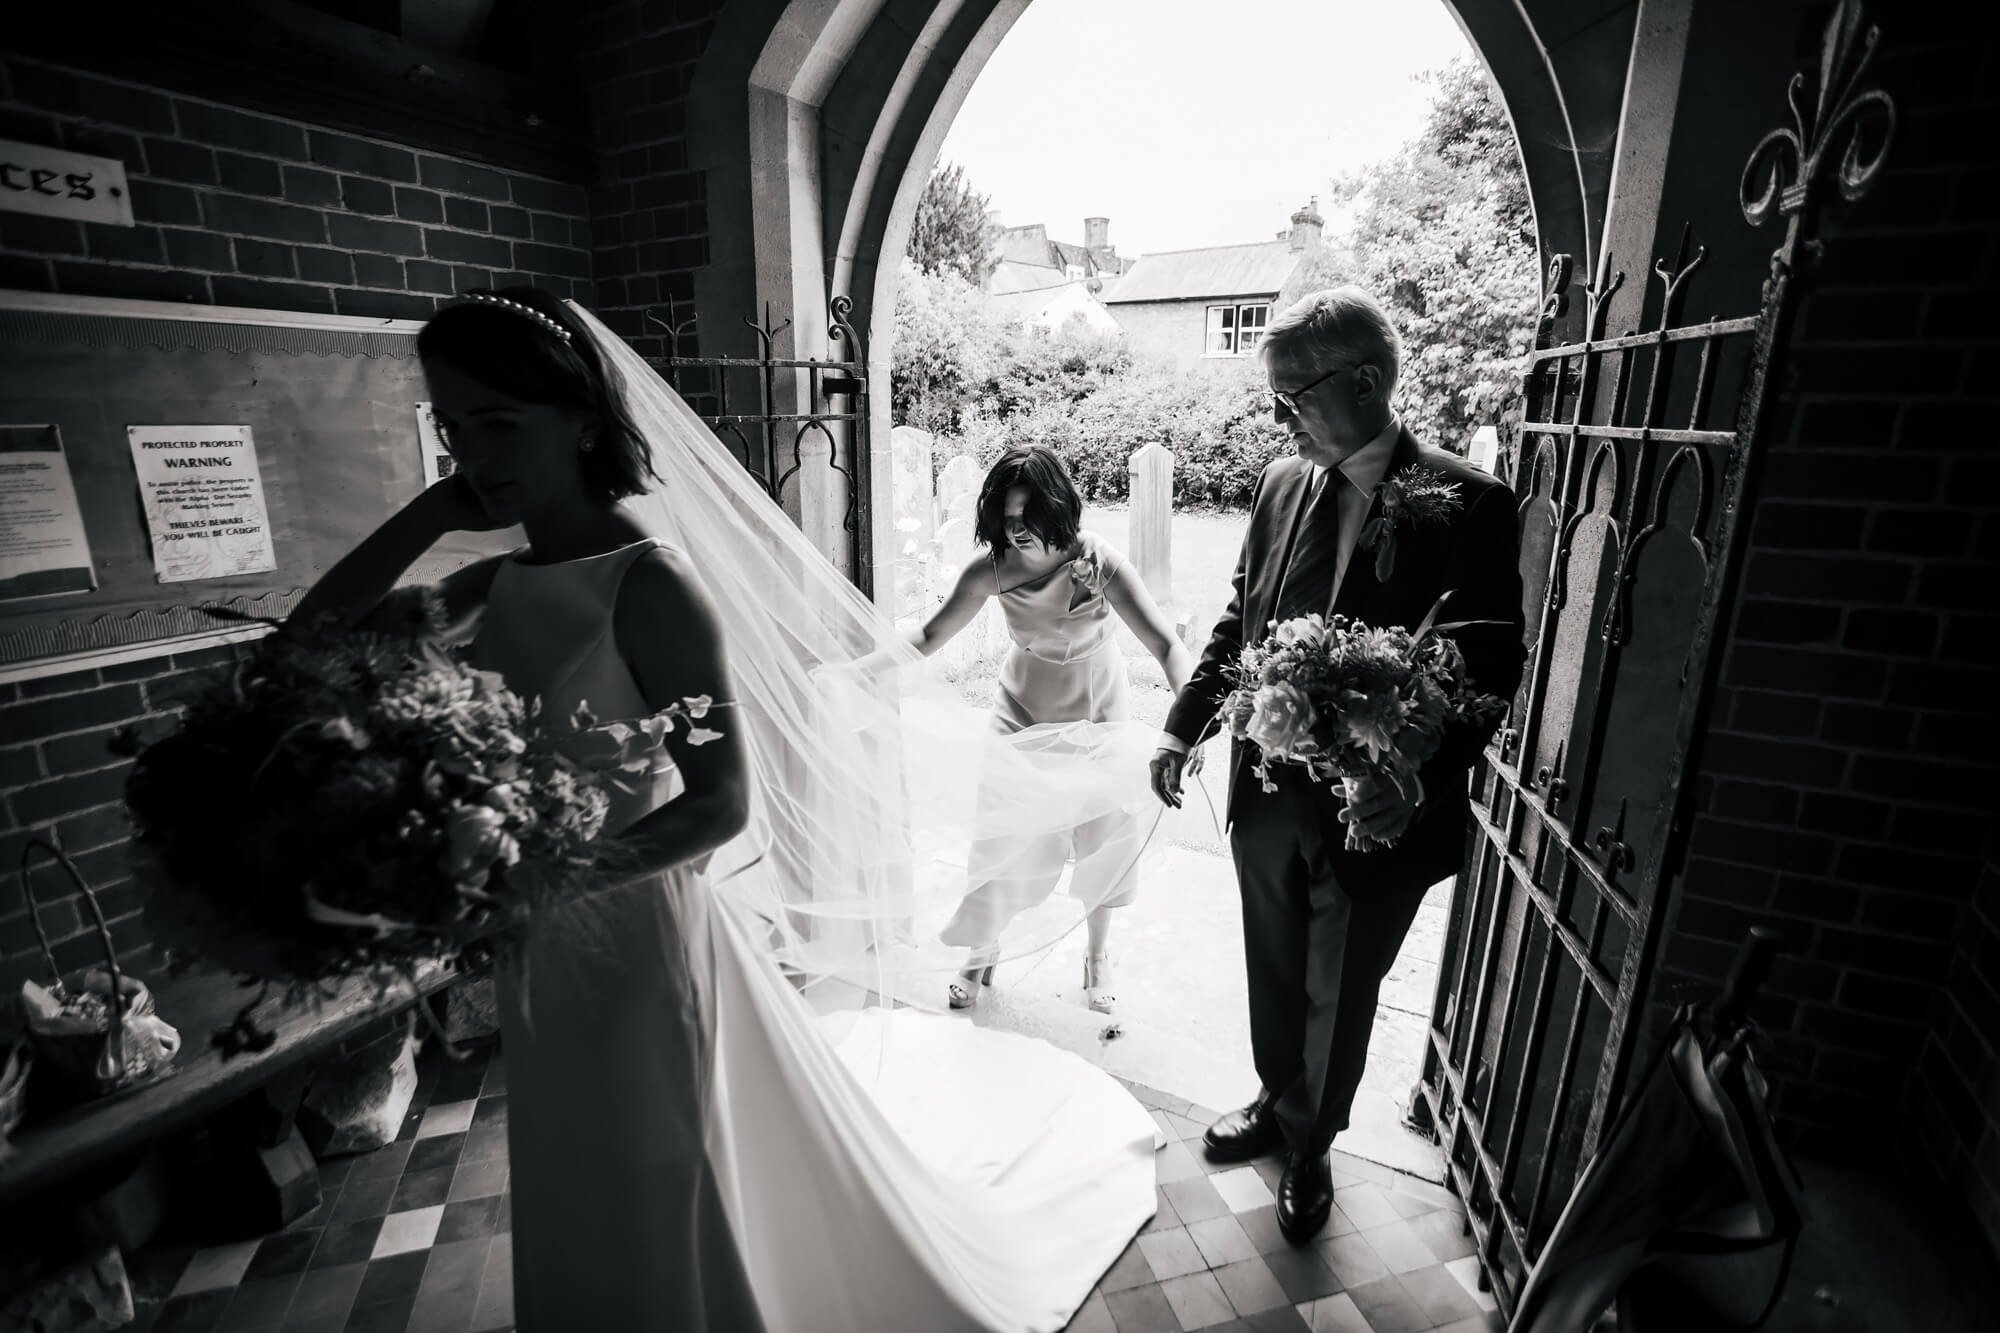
x: 1633, y: 475
x: 745, y: 401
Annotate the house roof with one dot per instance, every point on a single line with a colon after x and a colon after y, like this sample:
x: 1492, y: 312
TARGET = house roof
x: 1025, y: 304
x: 1067, y: 254
x: 1222, y: 270
x: 1026, y: 245
x: 1013, y: 275
x: 1054, y: 305
x: 1030, y: 245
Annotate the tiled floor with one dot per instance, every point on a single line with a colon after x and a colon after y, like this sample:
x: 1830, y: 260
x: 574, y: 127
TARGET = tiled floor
x: 1393, y: 1258
x: 417, y: 1238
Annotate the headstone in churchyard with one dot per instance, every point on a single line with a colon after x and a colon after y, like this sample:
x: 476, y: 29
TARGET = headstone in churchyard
x: 1149, y: 520
x: 1484, y: 451
x: 913, y: 488
x: 958, y: 487
x: 958, y: 501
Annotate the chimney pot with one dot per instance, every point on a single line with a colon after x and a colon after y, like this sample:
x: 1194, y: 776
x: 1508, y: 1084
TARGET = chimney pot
x: 1307, y: 226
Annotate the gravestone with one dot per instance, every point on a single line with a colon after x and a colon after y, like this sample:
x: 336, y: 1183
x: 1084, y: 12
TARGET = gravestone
x: 910, y: 452
x: 957, y: 508
x: 1149, y: 521
x: 913, y: 488
x: 1484, y: 451
x: 958, y: 493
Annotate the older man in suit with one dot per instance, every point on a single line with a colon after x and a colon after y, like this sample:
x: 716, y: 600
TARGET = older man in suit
x: 1321, y: 923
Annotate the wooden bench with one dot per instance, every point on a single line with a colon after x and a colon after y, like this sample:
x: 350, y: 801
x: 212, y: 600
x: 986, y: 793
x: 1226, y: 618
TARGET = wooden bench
x: 54, y: 1150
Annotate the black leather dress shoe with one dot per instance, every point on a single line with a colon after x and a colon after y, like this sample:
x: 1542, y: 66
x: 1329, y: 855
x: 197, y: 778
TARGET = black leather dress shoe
x: 1305, y: 1196
x: 1242, y: 1135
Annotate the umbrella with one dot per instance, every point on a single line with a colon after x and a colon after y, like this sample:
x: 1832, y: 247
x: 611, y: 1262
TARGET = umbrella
x: 1689, y: 1175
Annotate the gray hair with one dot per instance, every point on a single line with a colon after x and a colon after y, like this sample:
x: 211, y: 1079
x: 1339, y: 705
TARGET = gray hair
x: 1339, y: 324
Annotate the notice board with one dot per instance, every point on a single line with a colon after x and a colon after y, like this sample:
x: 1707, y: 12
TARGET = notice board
x: 330, y: 405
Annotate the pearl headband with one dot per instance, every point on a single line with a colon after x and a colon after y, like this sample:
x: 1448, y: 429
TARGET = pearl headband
x: 488, y: 298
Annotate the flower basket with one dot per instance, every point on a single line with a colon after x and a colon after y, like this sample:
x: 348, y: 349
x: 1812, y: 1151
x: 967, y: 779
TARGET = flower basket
x: 97, y: 1031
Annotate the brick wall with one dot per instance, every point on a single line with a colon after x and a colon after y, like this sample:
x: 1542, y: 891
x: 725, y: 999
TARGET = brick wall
x: 233, y: 209
x: 251, y: 210
x: 1174, y: 331
x: 649, y: 217
x: 58, y: 775
x: 1849, y: 780
x: 1953, y: 1093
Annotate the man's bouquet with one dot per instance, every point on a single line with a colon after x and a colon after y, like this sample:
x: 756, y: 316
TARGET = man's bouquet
x: 1346, y: 702
x: 356, y: 802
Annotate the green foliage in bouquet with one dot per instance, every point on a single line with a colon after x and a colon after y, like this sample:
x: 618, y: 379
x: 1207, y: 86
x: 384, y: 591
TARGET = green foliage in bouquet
x: 364, y: 802
x: 1345, y: 701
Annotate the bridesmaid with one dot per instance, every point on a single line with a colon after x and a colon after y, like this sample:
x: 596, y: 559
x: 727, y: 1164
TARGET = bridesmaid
x: 1058, y: 587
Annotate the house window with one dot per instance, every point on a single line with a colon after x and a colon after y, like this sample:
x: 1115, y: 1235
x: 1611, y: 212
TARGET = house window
x: 1235, y: 330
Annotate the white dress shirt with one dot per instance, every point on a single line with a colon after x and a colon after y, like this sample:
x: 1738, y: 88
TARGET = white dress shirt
x: 1361, y: 472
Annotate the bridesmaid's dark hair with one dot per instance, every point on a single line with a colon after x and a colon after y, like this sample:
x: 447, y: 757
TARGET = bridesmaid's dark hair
x: 512, y: 352
x: 1054, y: 512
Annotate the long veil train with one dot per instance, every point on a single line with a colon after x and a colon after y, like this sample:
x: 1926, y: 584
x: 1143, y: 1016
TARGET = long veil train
x: 886, y: 1168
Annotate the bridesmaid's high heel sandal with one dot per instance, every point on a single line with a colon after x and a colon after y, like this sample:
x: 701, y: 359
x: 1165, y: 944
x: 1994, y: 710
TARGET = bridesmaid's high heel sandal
x: 1099, y: 990
x: 963, y: 992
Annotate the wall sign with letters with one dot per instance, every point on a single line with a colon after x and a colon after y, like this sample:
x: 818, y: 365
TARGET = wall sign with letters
x: 56, y: 183
x: 204, y: 500
x: 44, y: 551
x: 438, y: 462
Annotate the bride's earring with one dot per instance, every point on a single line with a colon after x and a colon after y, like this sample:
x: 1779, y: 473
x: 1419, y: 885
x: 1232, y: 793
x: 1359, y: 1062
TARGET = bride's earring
x: 586, y: 444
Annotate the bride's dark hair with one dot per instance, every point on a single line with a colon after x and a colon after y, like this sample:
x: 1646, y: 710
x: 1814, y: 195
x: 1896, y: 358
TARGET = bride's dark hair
x: 511, y: 351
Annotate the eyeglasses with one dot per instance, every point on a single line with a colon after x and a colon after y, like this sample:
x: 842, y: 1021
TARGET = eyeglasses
x: 1289, y: 398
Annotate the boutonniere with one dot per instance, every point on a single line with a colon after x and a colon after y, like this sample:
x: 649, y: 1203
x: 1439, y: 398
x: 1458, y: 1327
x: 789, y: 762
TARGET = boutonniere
x: 1417, y: 494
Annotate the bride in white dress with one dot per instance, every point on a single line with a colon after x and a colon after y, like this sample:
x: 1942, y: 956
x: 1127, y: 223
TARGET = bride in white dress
x: 695, y: 1143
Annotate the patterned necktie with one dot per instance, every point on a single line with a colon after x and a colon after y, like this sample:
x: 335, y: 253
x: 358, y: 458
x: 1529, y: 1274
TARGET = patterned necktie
x: 1308, y: 582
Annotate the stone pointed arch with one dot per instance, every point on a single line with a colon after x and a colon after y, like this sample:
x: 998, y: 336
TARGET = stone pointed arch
x: 817, y: 122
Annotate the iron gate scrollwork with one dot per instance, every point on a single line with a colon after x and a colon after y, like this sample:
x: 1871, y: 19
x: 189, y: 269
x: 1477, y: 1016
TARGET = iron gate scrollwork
x: 766, y: 408
x: 1633, y: 474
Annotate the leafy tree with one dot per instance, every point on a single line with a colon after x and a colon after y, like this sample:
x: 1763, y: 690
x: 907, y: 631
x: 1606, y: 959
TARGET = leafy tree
x: 1443, y: 233
x: 1332, y: 265
x: 1054, y: 366
x: 951, y: 232
x: 948, y: 341
x: 1445, y: 237
x: 953, y: 354
x: 1217, y: 425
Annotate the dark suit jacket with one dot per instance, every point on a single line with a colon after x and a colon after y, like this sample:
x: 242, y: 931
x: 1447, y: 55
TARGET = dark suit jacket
x: 1475, y: 556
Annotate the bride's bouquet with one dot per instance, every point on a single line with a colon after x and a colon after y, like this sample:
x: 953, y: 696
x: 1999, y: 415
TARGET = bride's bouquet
x: 355, y: 802
x: 1345, y: 702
